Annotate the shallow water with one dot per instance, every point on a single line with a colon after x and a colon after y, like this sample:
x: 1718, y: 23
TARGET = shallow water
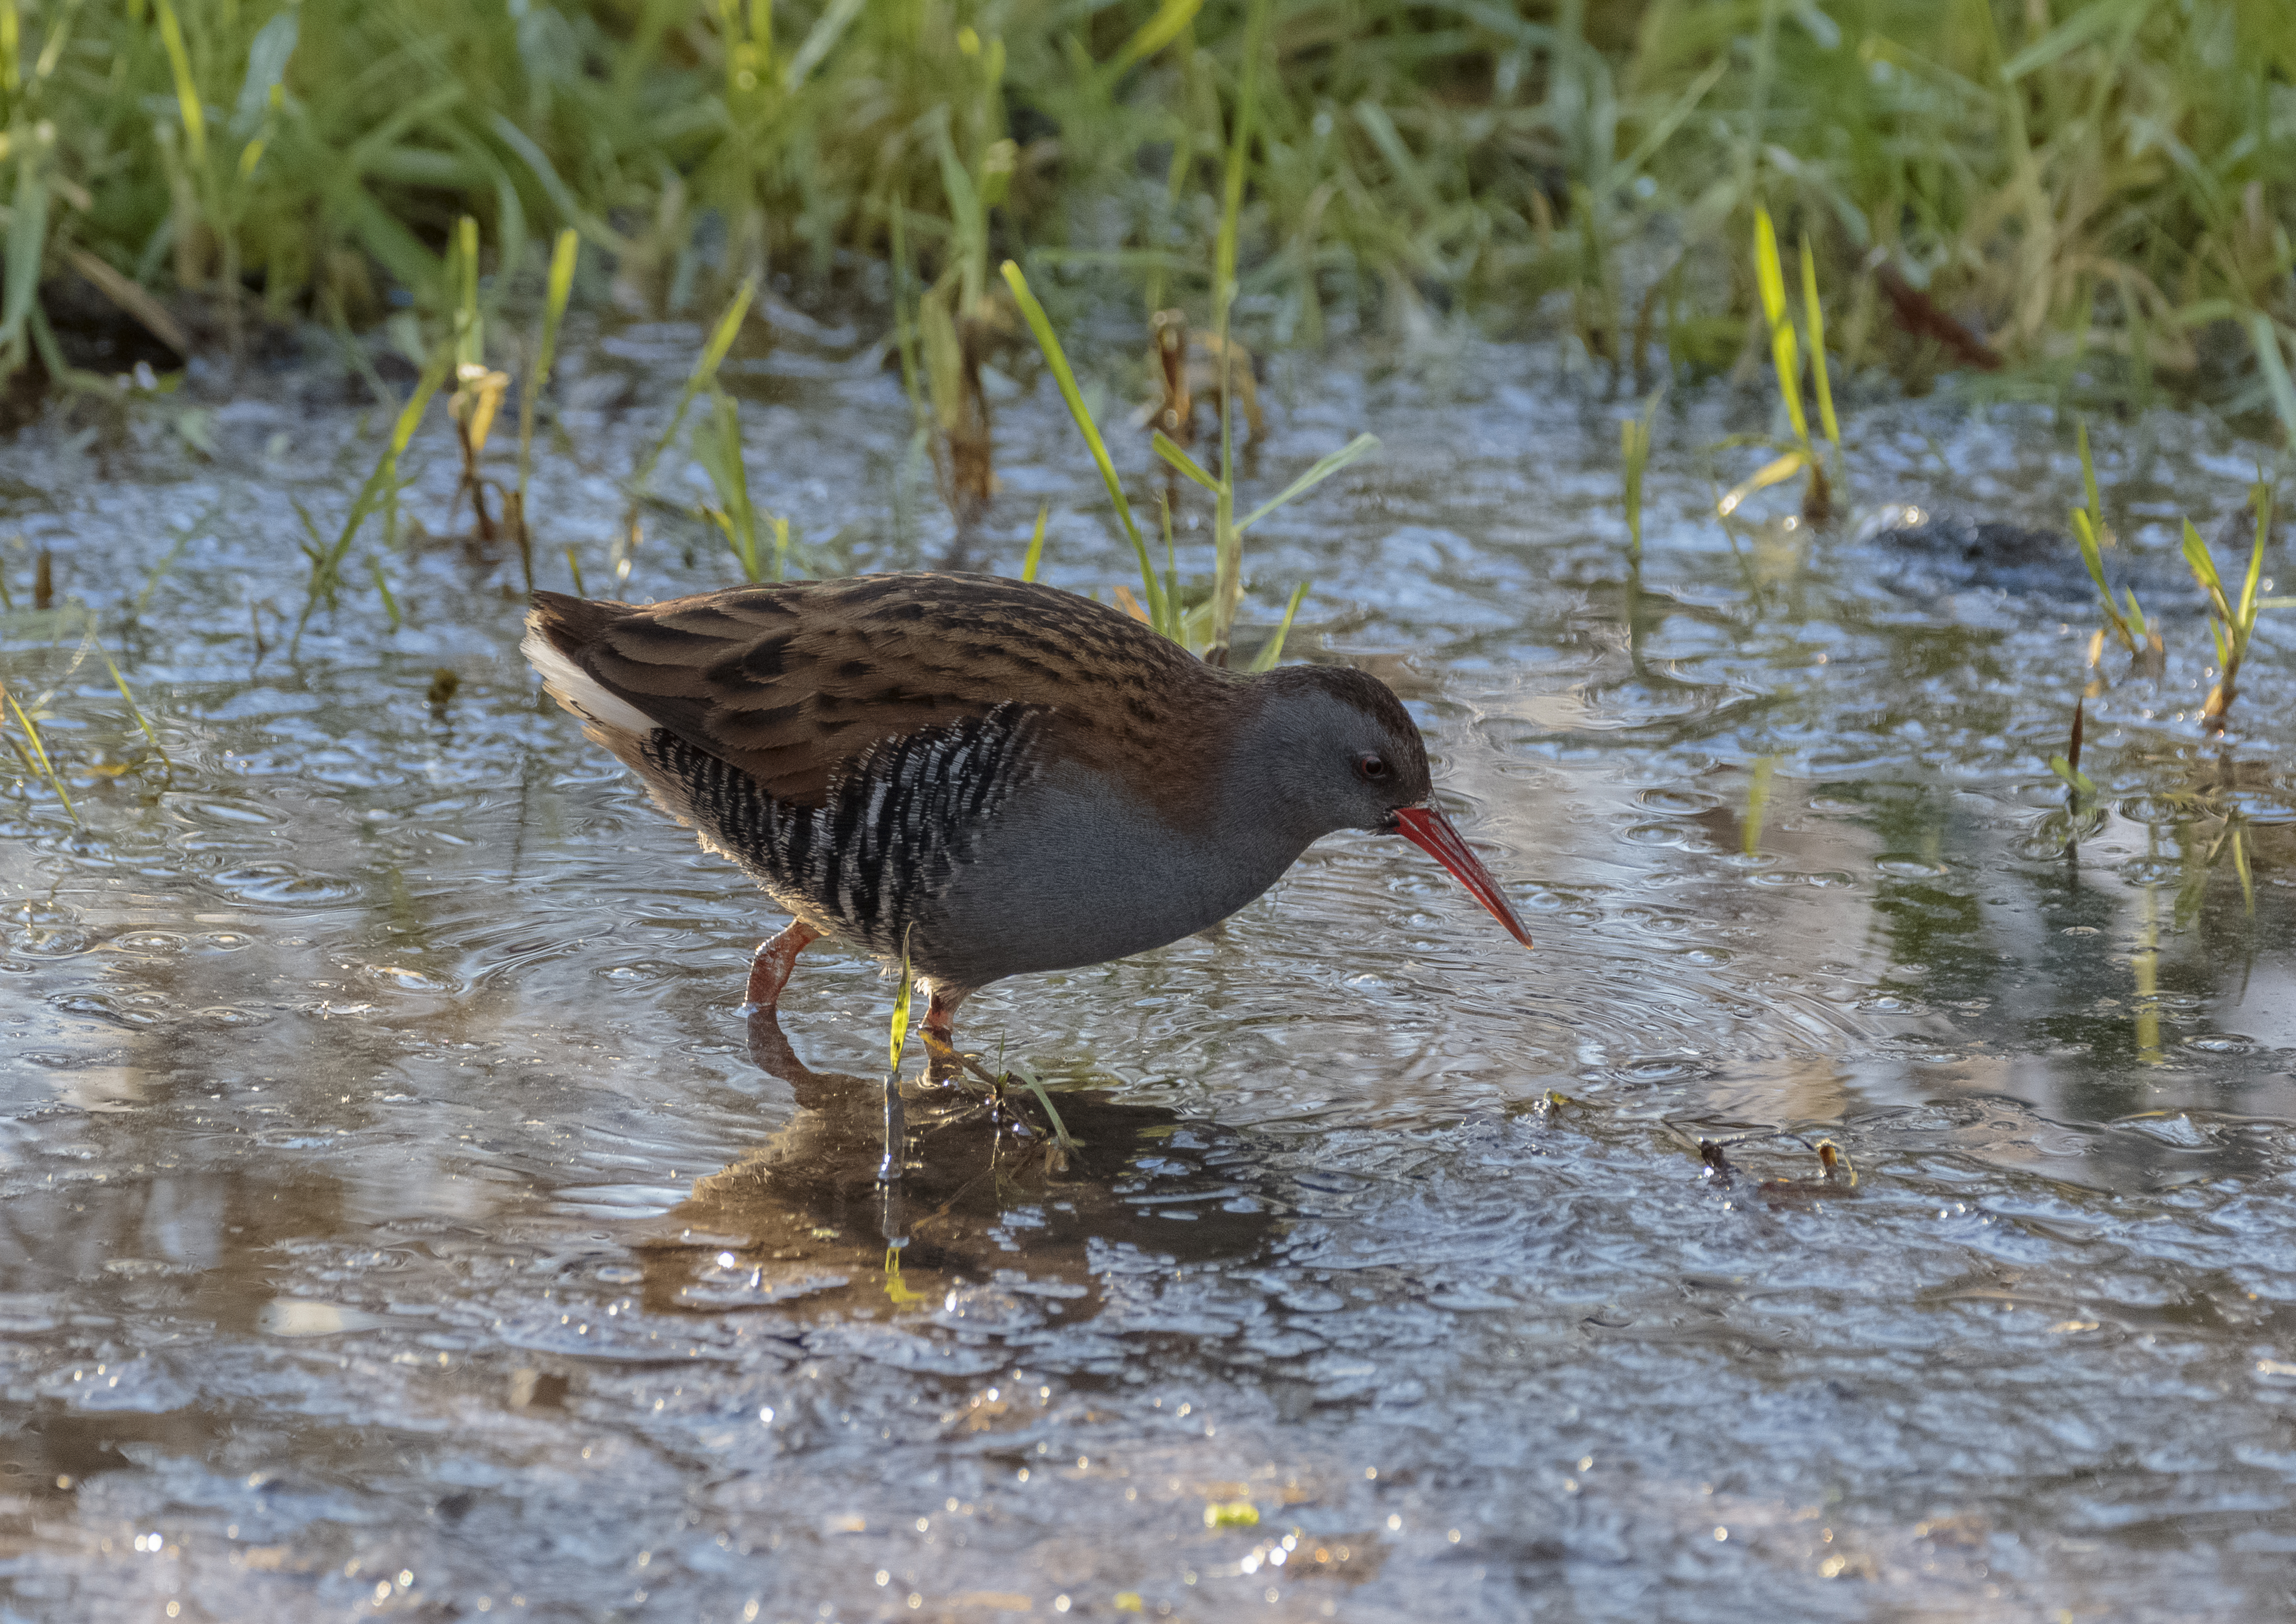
x: 403, y: 1220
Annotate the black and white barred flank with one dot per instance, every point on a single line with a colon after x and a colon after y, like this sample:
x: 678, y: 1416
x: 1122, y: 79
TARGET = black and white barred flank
x: 897, y: 824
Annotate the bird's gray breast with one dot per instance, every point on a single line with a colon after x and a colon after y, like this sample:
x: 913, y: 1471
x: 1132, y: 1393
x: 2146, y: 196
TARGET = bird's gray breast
x: 1075, y: 869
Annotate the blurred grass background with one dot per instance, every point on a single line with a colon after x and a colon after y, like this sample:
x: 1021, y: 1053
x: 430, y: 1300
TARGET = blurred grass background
x: 2097, y: 194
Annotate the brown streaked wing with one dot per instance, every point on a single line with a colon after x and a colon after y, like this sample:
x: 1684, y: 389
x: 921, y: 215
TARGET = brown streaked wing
x: 789, y: 683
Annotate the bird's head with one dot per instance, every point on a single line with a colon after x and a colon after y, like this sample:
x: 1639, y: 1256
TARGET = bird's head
x: 1350, y: 756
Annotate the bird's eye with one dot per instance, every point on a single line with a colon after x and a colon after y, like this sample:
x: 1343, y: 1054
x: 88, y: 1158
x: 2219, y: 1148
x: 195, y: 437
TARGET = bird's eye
x: 1371, y: 769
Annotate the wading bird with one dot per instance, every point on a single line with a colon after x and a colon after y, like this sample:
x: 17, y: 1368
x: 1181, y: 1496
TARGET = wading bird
x: 999, y: 776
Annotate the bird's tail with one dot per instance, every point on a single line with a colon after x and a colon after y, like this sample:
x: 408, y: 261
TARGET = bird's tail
x: 559, y: 632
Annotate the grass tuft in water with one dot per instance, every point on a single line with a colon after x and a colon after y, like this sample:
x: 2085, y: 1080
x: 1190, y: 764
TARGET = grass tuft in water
x: 1798, y: 455
x: 38, y: 759
x: 717, y: 447
x: 1035, y: 1085
x: 2232, y: 622
x: 703, y: 377
x: 327, y: 555
x: 2127, y: 624
x: 2080, y: 814
x: 1161, y: 614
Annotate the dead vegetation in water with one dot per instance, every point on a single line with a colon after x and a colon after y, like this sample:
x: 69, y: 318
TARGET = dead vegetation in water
x: 1834, y: 1178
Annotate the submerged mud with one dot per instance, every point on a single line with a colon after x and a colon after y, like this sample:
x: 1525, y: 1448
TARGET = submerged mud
x: 402, y: 1217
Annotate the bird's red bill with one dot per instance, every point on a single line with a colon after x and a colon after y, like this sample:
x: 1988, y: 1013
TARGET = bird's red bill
x: 1431, y: 831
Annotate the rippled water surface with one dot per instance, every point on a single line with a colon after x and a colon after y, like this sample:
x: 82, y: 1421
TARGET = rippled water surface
x: 401, y: 1219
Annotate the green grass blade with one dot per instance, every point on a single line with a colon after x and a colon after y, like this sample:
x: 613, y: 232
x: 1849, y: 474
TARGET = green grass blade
x: 2245, y: 618
x: 1169, y: 450
x: 1346, y: 457
x: 1632, y: 451
x: 1040, y: 325
x: 1768, y: 474
x: 967, y: 214
x: 382, y: 586
x: 2092, y: 559
x: 1035, y: 544
x: 1035, y: 1085
x: 1247, y: 106
x: 819, y: 41
x: 1176, y: 631
x: 28, y: 242
x: 2088, y: 481
x: 187, y: 89
x: 327, y: 560
x: 40, y: 751
x: 704, y: 374
x: 1814, y: 313
x: 2264, y: 337
x: 2083, y: 25
x: 1785, y: 352
x: 1152, y: 37
x: 900, y: 1027
x: 560, y: 290
x: 906, y: 316
x: 1227, y: 535
x: 1274, y: 651
x: 2203, y: 566
x: 470, y: 329
x: 1661, y: 129
x: 2085, y: 537
x: 1758, y: 803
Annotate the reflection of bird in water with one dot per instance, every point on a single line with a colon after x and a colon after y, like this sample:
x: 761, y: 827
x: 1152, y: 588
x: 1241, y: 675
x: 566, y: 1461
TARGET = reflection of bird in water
x: 993, y: 777
x: 804, y: 1216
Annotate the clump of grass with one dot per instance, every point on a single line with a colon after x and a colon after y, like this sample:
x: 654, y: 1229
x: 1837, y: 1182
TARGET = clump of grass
x: 1203, y: 633
x: 2125, y: 621
x: 34, y: 751
x: 703, y: 377
x: 2082, y: 816
x: 1062, y: 1141
x: 2232, y: 622
x: 2002, y: 163
x: 717, y: 446
x: 135, y: 714
x: 327, y: 555
x: 479, y: 389
x: 1801, y: 454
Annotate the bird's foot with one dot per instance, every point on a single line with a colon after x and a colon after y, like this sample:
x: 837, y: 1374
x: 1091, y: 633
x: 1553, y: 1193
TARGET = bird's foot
x: 769, y: 971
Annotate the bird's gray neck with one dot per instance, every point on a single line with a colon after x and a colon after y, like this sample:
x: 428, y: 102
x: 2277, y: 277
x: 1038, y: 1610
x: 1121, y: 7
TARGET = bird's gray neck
x: 1250, y: 800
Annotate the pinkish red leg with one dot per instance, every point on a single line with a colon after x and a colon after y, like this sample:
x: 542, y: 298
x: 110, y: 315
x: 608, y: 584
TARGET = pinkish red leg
x: 769, y: 972
x: 941, y: 1015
